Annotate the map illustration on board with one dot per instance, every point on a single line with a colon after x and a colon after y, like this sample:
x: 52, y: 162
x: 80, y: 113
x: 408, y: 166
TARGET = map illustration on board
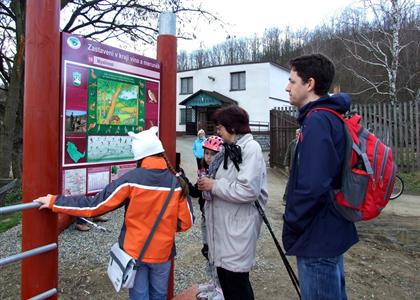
x: 116, y: 103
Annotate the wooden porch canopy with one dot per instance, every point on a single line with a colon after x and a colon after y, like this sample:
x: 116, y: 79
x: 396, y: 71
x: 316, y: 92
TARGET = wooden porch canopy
x: 203, y: 98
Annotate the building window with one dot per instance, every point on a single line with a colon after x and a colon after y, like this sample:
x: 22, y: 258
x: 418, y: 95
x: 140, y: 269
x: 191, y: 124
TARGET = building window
x: 237, y: 81
x: 187, y: 85
x: 186, y: 116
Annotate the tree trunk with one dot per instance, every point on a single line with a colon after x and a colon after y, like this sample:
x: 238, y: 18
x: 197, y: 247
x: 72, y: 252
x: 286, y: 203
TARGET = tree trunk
x: 396, y: 16
x: 8, y: 128
x: 17, y: 158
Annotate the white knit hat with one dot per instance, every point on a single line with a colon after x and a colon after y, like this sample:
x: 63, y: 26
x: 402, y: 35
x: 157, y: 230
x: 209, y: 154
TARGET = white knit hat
x: 145, y: 143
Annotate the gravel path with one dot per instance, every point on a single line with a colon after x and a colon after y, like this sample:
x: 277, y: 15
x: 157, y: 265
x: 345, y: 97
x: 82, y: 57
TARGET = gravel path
x: 384, y: 264
x: 91, y: 248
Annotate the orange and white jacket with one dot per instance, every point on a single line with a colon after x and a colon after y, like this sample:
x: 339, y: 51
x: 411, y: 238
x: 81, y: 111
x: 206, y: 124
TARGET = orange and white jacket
x: 143, y: 192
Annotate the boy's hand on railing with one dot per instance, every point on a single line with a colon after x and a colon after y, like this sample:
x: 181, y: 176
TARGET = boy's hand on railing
x: 45, y: 201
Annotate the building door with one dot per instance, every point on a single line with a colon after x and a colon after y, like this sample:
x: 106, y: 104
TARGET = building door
x: 202, y: 119
x: 191, y: 121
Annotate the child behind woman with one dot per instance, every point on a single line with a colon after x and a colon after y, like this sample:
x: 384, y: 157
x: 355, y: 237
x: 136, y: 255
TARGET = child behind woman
x: 198, y: 147
x: 211, y: 147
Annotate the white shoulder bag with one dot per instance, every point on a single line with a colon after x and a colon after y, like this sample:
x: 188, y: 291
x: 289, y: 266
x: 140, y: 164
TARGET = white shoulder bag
x: 122, y: 268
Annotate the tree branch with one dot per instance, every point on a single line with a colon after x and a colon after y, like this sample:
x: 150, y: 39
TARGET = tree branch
x: 9, y: 12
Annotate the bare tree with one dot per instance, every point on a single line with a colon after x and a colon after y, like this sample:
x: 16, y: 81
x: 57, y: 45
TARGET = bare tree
x: 200, y: 57
x: 375, y: 42
x: 271, y: 44
x: 182, y: 60
x: 131, y: 22
x: 12, y: 24
x: 255, y: 48
x: 216, y: 55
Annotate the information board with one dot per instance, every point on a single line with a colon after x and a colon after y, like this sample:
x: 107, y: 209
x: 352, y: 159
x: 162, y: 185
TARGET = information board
x: 106, y: 92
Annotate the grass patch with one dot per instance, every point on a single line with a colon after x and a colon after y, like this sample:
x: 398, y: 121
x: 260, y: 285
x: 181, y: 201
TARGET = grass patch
x: 8, y: 221
x: 411, y: 182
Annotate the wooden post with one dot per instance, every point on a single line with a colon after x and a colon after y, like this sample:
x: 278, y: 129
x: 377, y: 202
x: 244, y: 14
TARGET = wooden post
x: 40, y: 142
x: 166, y: 54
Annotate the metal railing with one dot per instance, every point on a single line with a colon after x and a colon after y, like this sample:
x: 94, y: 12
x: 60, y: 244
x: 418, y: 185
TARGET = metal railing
x: 256, y: 126
x: 7, y: 184
x: 35, y: 251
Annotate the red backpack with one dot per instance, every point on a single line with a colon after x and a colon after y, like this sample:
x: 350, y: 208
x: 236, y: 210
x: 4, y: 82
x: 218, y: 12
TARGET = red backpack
x: 368, y: 174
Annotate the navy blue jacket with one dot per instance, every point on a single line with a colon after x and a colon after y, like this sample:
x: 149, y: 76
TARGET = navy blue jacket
x: 312, y: 226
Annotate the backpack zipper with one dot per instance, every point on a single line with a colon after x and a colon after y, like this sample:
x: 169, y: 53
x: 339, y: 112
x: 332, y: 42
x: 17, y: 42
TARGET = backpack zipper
x: 388, y: 188
x: 383, y: 164
x: 375, y: 159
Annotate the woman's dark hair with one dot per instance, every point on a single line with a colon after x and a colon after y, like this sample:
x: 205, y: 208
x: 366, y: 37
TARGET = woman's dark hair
x: 182, y: 182
x: 234, y: 118
x: 316, y: 66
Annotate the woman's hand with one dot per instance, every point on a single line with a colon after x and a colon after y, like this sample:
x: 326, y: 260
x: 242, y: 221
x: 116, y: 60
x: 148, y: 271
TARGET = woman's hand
x: 205, y: 184
x: 45, y: 201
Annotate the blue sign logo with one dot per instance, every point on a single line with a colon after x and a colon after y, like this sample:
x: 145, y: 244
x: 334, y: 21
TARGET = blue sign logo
x: 74, y: 42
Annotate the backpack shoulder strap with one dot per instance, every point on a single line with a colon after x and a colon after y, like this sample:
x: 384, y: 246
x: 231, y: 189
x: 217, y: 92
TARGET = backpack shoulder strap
x: 329, y: 110
x: 159, y: 217
x: 363, y: 135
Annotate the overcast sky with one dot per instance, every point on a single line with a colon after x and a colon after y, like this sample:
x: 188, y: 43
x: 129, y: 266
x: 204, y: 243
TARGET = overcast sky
x: 245, y: 17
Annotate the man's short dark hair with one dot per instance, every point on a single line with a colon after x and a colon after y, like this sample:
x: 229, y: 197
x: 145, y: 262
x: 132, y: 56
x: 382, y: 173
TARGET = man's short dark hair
x: 234, y: 118
x: 316, y: 66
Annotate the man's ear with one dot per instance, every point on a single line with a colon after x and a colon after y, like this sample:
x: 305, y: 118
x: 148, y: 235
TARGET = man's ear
x: 311, y: 84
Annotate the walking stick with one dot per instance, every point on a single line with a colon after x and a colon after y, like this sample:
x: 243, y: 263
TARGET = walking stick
x: 286, y: 263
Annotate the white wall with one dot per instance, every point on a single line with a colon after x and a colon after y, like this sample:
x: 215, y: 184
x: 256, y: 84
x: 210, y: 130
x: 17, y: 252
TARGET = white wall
x: 278, y: 80
x: 263, y: 80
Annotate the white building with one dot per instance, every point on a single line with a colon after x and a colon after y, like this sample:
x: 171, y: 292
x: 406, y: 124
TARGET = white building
x: 256, y: 87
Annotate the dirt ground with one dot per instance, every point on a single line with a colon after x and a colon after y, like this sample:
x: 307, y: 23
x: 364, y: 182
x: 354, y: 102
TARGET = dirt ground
x: 385, y: 263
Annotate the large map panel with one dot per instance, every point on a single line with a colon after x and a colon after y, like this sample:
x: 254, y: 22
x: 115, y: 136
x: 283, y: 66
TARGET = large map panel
x: 106, y: 92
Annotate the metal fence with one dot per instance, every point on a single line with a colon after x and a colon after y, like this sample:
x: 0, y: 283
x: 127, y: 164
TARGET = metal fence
x: 259, y: 126
x: 283, y: 125
x: 35, y: 251
x: 398, y: 126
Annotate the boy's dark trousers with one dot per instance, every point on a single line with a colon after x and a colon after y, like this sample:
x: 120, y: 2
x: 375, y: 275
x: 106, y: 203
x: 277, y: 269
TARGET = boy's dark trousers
x: 235, y: 285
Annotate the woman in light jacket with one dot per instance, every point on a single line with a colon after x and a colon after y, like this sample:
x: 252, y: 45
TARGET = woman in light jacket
x: 237, y: 179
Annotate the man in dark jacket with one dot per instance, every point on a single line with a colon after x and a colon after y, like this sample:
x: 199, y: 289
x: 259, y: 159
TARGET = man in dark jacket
x: 313, y: 230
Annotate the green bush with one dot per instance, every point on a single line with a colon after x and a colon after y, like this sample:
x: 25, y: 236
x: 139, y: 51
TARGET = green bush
x: 411, y: 182
x: 10, y: 220
x: 13, y: 197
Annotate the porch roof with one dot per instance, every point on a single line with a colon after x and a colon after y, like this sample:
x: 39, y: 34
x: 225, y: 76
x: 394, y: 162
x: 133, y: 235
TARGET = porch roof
x: 207, y: 98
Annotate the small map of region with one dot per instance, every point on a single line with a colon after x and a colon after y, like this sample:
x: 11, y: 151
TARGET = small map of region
x: 117, y: 103
x: 74, y: 182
